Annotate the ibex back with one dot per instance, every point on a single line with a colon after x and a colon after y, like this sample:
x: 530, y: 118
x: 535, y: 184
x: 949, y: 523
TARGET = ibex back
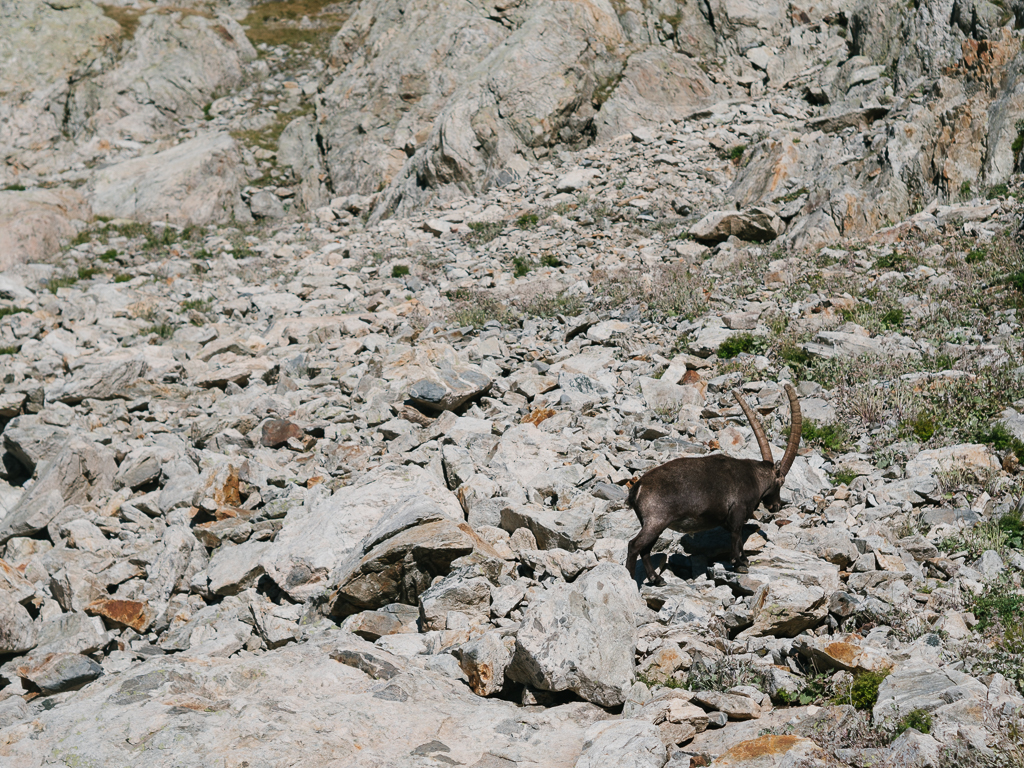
x: 697, y: 494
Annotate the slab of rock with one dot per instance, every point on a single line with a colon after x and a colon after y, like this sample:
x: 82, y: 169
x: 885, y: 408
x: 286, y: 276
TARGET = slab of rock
x: 373, y: 625
x: 126, y: 613
x: 339, y: 524
x: 175, y: 700
x: 563, y: 529
x: 195, y: 182
x: 736, y: 707
x: 922, y: 687
x: 967, y: 455
x: 402, y: 567
x: 71, y: 633
x: 458, y: 591
x: 775, y: 752
x: 753, y: 224
x: 627, y: 743
x: 34, y: 223
x: 793, y: 593
x: 81, y: 472
x: 582, y: 637
x: 448, y: 388
x: 99, y: 381
x: 233, y: 569
x: 847, y: 652
x: 56, y: 672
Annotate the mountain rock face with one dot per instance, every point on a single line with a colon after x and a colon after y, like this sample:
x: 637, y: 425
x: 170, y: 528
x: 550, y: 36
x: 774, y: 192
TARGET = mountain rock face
x: 333, y: 335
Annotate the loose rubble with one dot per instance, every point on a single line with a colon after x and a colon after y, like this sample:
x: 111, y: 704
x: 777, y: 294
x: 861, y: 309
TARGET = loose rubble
x: 353, y: 476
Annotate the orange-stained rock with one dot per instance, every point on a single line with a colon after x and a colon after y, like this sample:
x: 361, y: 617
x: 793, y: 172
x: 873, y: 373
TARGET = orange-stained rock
x: 773, y: 751
x: 130, y: 613
x: 537, y: 416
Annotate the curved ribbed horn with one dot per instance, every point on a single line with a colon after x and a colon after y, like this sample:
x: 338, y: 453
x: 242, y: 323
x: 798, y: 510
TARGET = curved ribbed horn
x: 762, y: 439
x: 795, y: 428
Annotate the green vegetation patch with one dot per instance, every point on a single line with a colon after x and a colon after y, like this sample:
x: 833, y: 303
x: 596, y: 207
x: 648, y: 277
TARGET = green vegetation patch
x: 864, y: 690
x: 280, y: 23
x: 918, y: 719
x: 739, y: 343
x: 483, y: 231
x: 832, y: 437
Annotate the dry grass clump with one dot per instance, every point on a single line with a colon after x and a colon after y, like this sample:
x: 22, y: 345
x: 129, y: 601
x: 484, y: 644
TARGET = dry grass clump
x: 659, y: 292
x: 281, y: 22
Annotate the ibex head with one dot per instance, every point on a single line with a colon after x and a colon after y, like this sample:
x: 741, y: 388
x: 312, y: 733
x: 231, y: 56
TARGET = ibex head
x: 771, y: 499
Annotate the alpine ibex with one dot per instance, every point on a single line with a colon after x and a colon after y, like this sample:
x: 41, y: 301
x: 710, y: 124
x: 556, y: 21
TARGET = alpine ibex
x: 697, y: 494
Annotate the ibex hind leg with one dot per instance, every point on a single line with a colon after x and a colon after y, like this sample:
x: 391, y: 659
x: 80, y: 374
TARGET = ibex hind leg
x: 642, y: 545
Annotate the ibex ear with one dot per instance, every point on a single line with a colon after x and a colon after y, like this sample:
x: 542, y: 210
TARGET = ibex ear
x: 632, y: 481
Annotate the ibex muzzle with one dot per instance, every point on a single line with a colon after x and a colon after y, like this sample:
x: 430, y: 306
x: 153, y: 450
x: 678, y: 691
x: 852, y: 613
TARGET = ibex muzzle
x: 697, y: 494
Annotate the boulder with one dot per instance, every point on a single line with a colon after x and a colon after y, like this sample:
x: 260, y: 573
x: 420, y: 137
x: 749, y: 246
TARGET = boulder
x: 17, y: 630
x: 80, y: 473
x: 401, y: 568
x: 391, y: 497
x: 581, y: 637
x: 484, y: 661
x: 57, y: 672
x: 753, y: 224
x: 626, y: 743
x: 34, y: 224
x: 195, y: 182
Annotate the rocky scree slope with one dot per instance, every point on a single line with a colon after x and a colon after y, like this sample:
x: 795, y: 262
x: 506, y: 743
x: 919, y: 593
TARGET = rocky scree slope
x: 197, y: 112
x: 356, y: 493
x: 262, y: 485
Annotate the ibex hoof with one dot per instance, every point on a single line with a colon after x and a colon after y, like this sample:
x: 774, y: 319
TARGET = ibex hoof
x: 658, y: 582
x: 742, y: 568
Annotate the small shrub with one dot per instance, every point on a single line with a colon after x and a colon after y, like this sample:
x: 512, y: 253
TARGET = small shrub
x: 122, y: 278
x: 163, y: 330
x: 5, y: 311
x: 109, y: 255
x: 550, y: 260
x: 521, y: 266
x: 85, y: 273
x: 199, y: 305
x: 864, y: 690
x: 998, y: 603
x: 832, y: 437
x: 918, y: 719
x: 739, y: 343
x: 484, y: 231
x: 527, y: 221
x: 844, y: 476
x: 1001, y: 439
x: 965, y: 189
x: 8, y: 350
x: 922, y: 425
x: 893, y: 319
x: 976, y: 256
x: 399, y: 270
x: 56, y: 283
x: 999, y: 190
x: 14, y: 188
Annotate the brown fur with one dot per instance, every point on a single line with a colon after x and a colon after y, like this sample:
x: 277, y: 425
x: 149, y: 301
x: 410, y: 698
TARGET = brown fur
x: 697, y: 494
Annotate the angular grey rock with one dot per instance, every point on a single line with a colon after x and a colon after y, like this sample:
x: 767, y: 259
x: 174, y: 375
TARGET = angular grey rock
x: 569, y: 529
x: 17, y: 630
x: 921, y: 687
x: 627, y: 743
x: 340, y: 524
x: 58, y: 671
x: 458, y: 591
x: 582, y: 637
x: 101, y: 380
x: 81, y: 472
x: 233, y: 569
x: 753, y: 224
x: 484, y: 661
x: 71, y: 633
x: 449, y: 388
x: 195, y: 182
x: 736, y: 707
x: 266, y: 205
x: 402, y: 567
x: 32, y: 442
